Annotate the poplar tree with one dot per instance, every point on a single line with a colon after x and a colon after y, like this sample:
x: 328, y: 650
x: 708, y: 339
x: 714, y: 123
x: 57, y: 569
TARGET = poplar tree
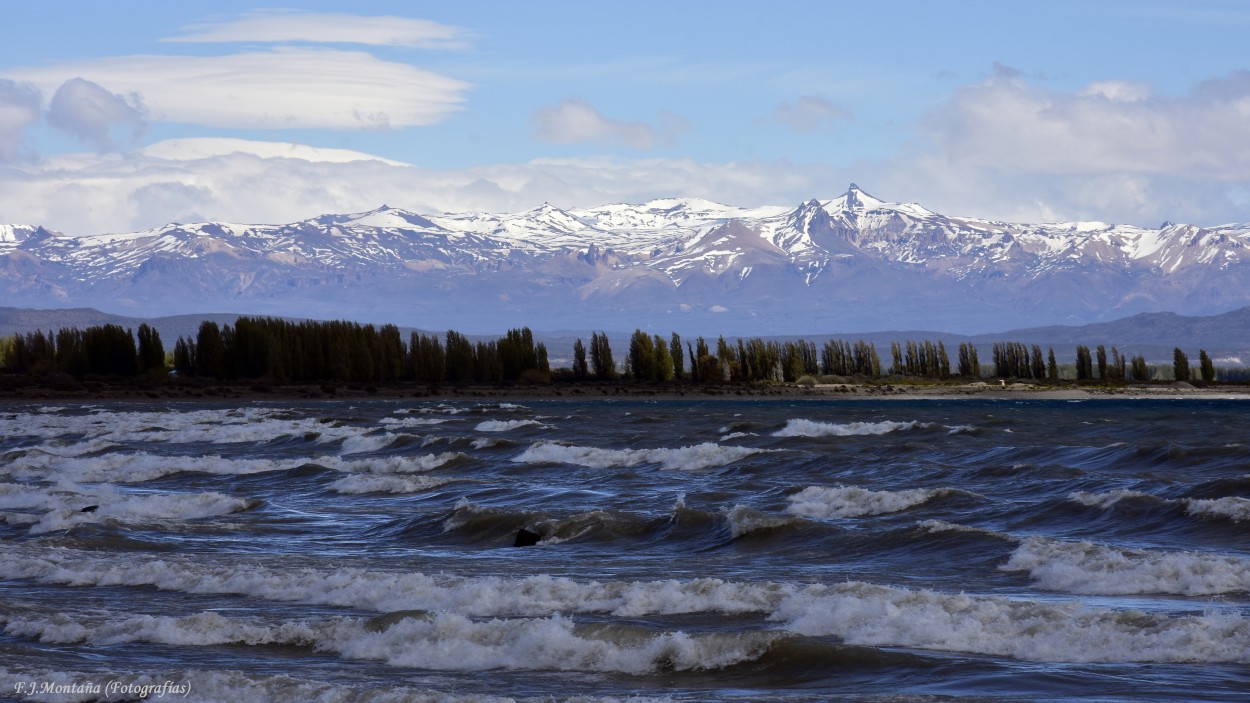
x: 580, y: 369
x: 679, y: 362
x: 1180, y: 365
x: 601, y: 357
x: 151, y: 351
x: 1084, y: 364
x: 1206, y: 367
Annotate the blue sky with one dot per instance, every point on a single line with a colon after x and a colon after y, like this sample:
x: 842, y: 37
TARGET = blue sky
x: 126, y: 115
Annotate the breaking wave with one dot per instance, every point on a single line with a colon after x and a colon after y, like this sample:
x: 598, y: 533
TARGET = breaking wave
x: 809, y: 428
x: 700, y: 456
x: 1233, y: 508
x: 850, y: 501
x: 874, y: 615
x: 68, y: 506
x: 1095, y: 569
x: 504, y: 425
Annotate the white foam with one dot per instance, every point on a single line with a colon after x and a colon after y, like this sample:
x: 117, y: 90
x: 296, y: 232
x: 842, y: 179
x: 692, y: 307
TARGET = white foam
x: 1106, y: 500
x: 99, y: 430
x: 65, y: 502
x: 437, y: 641
x: 1235, y: 508
x: 850, y: 501
x: 390, y: 464
x: 699, y: 456
x: 115, y: 467
x: 387, y: 591
x: 413, y: 421
x: 367, y: 443
x: 364, y: 483
x: 504, y: 425
x: 448, y: 641
x: 744, y: 520
x: 874, y: 615
x: 940, y: 526
x: 534, y: 625
x: 1088, y: 568
x: 809, y: 428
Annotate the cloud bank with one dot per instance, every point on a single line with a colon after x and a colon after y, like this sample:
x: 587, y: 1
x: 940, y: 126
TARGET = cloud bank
x: 278, y: 26
x: 283, y: 88
x: 264, y: 182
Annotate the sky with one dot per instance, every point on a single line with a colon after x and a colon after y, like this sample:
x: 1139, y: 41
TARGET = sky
x: 128, y: 115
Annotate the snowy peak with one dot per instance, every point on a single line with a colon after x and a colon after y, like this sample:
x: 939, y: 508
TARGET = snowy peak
x: 673, y: 253
x: 384, y: 217
x: 856, y: 199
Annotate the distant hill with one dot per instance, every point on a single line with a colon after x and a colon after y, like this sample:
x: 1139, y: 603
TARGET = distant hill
x: 23, y: 320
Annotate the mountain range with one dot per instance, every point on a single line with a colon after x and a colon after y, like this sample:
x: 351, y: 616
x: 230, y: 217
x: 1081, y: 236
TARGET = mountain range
x: 854, y: 262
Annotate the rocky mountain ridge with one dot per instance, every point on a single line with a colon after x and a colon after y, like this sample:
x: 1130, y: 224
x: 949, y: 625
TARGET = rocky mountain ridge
x: 854, y: 262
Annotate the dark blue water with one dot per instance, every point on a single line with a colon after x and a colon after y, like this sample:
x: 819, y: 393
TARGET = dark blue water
x: 690, y: 550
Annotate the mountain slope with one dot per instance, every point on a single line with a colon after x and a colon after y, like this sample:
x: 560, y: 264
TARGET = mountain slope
x: 851, y: 262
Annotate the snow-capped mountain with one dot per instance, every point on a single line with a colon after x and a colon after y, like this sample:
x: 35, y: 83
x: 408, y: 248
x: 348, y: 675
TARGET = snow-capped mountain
x: 853, y: 262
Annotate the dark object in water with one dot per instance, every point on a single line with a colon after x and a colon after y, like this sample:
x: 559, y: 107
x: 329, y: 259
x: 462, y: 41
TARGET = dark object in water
x: 90, y: 509
x: 526, y: 538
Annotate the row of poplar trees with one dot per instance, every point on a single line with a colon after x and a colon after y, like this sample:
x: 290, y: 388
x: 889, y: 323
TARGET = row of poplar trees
x: 348, y: 352
x: 310, y: 351
x: 104, y: 350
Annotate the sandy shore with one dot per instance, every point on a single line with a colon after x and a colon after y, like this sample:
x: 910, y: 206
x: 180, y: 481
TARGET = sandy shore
x: 94, y: 392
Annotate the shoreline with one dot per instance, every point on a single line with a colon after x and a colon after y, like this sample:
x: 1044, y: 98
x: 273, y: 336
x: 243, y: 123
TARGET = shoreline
x: 258, y: 392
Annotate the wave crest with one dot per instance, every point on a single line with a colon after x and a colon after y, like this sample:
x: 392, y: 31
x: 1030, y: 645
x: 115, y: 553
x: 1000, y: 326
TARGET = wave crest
x: 850, y: 501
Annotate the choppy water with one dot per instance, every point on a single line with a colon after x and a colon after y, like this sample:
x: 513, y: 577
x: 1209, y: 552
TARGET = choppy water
x: 693, y: 550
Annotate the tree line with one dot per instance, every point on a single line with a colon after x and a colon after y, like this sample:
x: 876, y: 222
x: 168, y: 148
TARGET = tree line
x: 104, y: 350
x: 347, y: 352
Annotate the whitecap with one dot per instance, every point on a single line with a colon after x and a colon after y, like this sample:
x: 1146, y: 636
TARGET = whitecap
x: 1088, y: 568
x: 809, y: 428
x: 744, y: 520
x: 430, y: 641
x: 1232, y: 507
x: 504, y: 425
x: 1106, y: 500
x: 358, y: 484
x: 887, y: 616
x: 699, y: 456
x: 851, y: 501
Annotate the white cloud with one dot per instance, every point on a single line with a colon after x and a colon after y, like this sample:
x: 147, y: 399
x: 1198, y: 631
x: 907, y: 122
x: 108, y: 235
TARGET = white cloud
x: 285, y: 88
x: 1122, y: 91
x: 19, y: 109
x: 278, y: 26
x: 240, y: 181
x: 1010, y: 124
x: 807, y: 114
x: 89, y: 112
x: 205, y: 147
x: 1113, y: 151
x: 576, y: 121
